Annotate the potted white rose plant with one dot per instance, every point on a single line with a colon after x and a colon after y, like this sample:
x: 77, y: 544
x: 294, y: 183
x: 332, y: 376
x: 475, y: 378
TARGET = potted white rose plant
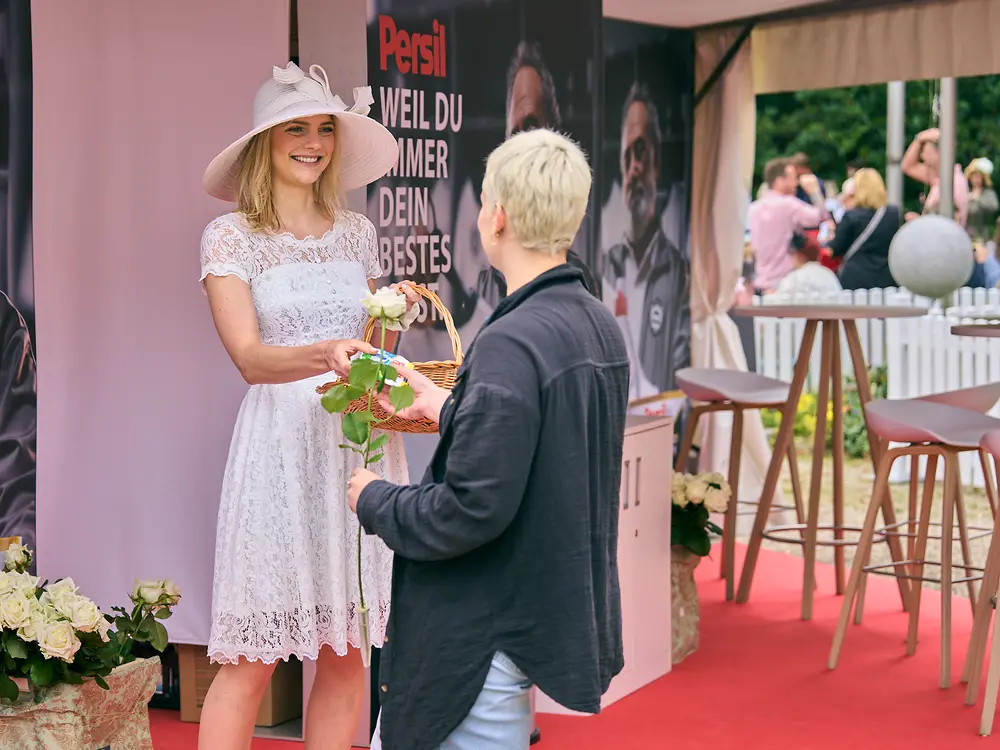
x: 369, y: 376
x: 694, y: 498
x: 59, y: 652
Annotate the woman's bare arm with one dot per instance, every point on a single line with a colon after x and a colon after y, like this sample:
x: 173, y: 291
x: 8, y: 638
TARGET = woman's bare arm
x: 236, y: 321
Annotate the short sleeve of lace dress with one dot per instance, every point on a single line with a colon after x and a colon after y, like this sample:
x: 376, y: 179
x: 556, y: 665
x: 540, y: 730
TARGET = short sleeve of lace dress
x: 225, y: 250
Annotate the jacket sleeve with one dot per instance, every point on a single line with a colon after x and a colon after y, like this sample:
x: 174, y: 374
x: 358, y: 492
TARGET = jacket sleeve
x: 494, y: 432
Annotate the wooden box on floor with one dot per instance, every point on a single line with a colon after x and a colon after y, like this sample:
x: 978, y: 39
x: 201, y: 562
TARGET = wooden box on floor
x: 282, y: 701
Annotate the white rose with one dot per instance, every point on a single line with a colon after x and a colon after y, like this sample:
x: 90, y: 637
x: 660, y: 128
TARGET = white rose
x: 385, y: 301
x: 58, y: 641
x: 6, y: 583
x: 147, y: 592
x: 15, y: 610
x: 35, y: 625
x: 25, y: 583
x: 103, y: 627
x: 714, y: 477
x: 678, y: 490
x: 17, y: 556
x: 86, y: 615
x: 171, y: 593
x: 61, y: 596
x: 716, y: 501
x: 696, y: 490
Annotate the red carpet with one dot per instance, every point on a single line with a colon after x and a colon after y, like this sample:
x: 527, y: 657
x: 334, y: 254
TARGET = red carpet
x: 760, y: 681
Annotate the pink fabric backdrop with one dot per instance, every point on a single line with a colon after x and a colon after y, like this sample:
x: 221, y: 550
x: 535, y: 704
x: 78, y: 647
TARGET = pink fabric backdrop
x: 137, y: 398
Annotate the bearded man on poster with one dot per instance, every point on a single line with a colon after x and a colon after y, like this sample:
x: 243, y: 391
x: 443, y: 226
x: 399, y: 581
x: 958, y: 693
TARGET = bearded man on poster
x: 505, y: 573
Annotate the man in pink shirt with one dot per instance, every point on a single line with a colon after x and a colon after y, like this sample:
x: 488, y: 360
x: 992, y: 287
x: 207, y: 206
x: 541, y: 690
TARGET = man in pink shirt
x: 776, y: 216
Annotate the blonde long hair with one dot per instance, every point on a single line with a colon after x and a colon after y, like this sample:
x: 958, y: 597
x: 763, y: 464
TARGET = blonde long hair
x: 254, y: 185
x: 869, y: 189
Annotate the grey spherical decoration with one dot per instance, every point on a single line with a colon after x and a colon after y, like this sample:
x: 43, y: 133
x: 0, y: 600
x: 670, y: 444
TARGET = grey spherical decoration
x: 931, y: 256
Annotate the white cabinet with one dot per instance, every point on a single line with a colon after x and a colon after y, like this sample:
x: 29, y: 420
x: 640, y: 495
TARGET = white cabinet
x: 643, y: 558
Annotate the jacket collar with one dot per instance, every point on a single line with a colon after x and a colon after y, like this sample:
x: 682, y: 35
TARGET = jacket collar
x: 562, y: 274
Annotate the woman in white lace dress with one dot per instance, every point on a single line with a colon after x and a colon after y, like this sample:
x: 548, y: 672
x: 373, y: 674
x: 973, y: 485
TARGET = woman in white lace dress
x: 285, y: 275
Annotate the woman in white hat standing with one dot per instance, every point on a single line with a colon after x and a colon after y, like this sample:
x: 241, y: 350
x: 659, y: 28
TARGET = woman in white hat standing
x: 285, y: 274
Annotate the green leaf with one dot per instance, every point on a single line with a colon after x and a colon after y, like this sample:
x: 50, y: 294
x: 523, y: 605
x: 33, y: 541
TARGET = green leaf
x: 162, y: 614
x: 402, y: 396
x: 700, y: 545
x: 355, y: 426
x: 8, y: 688
x: 158, y: 637
x: 388, y: 373
x: 378, y: 442
x: 350, y: 447
x: 17, y: 648
x: 364, y: 374
x: 101, y: 682
x: 373, y: 459
x: 337, y: 398
x: 42, y: 672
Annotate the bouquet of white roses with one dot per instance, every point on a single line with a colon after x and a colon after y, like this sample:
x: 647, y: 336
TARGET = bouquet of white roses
x: 52, y: 634
x: 694, y: 497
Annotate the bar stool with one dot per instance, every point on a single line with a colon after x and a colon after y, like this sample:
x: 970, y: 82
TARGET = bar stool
x: 715, y: 390
x: 938, y: 431
x: 979, y: 399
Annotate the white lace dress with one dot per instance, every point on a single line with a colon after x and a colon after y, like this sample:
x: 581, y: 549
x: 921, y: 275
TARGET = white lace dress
x: 286, y: 576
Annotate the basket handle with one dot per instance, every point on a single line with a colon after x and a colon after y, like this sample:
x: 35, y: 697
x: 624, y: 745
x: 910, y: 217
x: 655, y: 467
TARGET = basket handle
x: 437, y: 304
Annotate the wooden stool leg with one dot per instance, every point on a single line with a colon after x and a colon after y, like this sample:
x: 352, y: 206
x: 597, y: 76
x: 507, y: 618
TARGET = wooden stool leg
x: 729, y: 532
x: 815, y: 483
x: 911, y: 527
x: 687, y: 440
x: 951, y: 484
x: 837, y: 375
x: 863, y: 552
x: 992, y: 683
x: 963, y: 540
x: 793, y: 470
x: 981, y: 624
x: 991, y: 490
x: 774, y: 468
x: 875, y: 444
x: 916, y: 568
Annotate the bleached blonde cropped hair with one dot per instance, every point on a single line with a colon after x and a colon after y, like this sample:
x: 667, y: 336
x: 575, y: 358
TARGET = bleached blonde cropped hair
x: 542, y: 180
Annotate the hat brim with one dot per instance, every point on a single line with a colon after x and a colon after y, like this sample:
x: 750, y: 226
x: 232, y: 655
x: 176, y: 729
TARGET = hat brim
x: 368, y: 151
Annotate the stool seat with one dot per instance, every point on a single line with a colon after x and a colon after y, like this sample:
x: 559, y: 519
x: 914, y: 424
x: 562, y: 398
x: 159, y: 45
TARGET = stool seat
x: 738, y: 386
x: 923, y: 421
x: 979, y: 398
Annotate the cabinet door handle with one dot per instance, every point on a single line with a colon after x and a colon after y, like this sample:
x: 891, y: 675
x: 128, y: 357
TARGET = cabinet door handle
x: 638, y: 482
x: 625, y: 507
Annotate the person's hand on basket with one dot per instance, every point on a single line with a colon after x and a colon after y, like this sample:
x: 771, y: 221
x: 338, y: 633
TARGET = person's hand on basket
x: 428, y: 398
x: 407, y: 288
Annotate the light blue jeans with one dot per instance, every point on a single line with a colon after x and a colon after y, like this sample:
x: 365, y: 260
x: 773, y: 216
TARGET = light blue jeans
x: 500, y: 718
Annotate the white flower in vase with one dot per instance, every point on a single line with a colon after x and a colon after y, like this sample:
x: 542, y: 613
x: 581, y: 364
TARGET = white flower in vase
x: 678, y: 490
x: 59, y: 641
x: 716, y: 500
x: 697, y: 488
x: 15, y: 610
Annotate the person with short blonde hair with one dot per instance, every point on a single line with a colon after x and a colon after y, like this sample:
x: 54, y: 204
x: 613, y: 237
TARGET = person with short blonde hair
x: 864, y: 234
x: 505, y: 570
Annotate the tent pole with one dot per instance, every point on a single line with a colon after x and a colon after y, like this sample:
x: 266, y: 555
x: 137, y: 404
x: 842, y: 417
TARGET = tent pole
x: 895, y: 140
x: 946, y: 146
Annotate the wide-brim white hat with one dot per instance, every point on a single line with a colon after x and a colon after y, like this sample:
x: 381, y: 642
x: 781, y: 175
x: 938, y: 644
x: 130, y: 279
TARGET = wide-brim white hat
x: 367, y: 149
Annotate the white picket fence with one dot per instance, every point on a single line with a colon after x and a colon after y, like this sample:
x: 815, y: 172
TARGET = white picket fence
x: 921, y: 356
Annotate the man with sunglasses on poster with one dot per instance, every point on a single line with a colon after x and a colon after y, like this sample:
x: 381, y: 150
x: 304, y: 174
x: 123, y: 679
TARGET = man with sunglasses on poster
x: 646, y: 273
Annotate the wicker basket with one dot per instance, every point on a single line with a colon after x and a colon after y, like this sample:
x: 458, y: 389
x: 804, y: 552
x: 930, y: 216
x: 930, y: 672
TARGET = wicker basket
x: 440, y: 373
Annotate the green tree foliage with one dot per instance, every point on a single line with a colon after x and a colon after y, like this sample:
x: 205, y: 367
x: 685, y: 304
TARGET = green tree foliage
x: 835, y: 126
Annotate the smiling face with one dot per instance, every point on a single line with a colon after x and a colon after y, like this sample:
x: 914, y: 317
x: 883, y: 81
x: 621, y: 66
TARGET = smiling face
x: 301, y: 149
